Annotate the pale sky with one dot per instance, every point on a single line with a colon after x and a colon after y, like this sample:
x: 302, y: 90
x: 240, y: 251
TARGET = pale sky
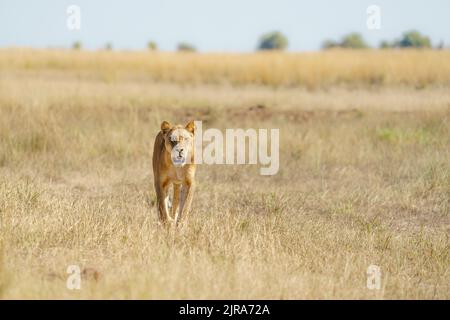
x: 210, y: 25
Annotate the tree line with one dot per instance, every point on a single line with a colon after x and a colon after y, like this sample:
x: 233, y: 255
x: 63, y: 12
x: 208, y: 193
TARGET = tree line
x: 409, y: 39
x: 278, y: 41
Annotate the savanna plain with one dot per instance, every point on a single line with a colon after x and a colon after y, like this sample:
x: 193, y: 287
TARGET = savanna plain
x: 364, y: 175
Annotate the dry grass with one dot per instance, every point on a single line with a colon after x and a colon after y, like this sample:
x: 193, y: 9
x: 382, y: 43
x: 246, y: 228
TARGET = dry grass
x: 418, y: 68
x: 364, y: 177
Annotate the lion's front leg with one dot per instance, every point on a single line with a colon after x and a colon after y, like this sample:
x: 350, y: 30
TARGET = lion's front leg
x: 162, y: 194
x: 176, y: 199
x: 187, y: 193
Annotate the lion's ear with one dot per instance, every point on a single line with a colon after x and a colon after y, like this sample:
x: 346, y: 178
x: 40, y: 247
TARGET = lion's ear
x: 190, y: 127
x: 165, y: 126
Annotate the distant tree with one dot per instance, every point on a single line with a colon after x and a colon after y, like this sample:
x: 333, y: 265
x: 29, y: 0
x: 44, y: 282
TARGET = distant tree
x: 273, y: 41
x: 187, y: 47
x: 329, y: 44
x: 353, y: 41
x: 108, y: 46
x: 441, y: 45
x: 414, y: 39
x: 77, y: 45
x: 151, y: 45
x: 386, y: 44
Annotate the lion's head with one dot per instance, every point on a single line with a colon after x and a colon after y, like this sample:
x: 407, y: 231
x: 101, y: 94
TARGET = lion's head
x: 179, y: 142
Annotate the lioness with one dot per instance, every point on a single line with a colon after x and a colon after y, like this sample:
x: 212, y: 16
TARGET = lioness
x: 173, y: 164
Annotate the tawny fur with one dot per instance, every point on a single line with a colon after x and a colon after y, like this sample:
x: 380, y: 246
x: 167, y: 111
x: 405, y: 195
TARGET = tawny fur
x: 167, y: 174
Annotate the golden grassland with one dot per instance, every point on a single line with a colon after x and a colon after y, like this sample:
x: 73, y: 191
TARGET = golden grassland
x: 364, y: 175
x: 419, y: 68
